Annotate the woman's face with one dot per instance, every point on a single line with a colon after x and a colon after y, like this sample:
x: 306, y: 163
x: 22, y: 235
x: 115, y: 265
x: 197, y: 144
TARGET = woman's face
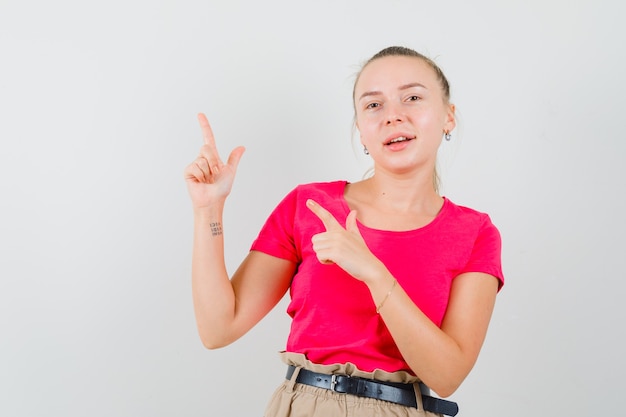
x: 401, y: 113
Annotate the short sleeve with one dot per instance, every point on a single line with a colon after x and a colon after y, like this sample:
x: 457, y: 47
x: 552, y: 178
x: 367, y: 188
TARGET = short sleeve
x: 486, y: 255
x: 276, y: 237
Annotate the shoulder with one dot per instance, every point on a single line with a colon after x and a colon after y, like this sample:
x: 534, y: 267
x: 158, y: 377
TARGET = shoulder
x: 319, y: 191
x: 313, y: 188
x: 468, y: 219
x: 327, y: 194
x: 484, y: 238
x: 465, y: 214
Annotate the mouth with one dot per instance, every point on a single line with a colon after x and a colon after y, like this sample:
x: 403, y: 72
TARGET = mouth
x: 399, y: 139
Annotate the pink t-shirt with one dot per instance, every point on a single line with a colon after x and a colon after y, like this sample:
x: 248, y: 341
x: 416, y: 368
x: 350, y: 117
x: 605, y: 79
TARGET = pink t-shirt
x: 334, y: 317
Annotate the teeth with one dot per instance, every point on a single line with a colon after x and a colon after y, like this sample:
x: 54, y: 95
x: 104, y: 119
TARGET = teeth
x: 400, y: 139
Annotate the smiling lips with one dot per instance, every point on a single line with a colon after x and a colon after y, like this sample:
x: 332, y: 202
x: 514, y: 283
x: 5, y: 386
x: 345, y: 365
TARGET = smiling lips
x: 399, y: 139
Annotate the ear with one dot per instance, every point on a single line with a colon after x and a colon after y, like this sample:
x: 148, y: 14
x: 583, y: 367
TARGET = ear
x: 450, y: 122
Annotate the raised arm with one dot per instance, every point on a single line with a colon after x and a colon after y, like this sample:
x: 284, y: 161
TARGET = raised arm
x: 225, y: 309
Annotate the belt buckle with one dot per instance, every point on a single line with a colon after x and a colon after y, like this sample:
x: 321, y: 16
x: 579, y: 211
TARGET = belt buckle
x: 341, y: 382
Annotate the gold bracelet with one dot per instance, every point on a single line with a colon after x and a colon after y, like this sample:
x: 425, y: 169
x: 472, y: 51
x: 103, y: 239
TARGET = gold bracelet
x: 395, y: 281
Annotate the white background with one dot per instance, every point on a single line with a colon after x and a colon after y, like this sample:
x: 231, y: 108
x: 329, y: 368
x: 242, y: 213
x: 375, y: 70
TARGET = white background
x: 98, y: 104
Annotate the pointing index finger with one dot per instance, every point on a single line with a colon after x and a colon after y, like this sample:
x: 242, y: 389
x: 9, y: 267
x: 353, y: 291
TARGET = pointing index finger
x: 329, y: 221
x: 207, y: 132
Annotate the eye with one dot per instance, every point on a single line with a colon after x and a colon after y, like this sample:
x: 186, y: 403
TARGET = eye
x: 372, y: 105
x: 413, y: 98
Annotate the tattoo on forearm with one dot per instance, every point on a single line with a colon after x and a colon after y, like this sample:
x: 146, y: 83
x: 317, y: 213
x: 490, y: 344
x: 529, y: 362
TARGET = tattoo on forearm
x: 216, y: 229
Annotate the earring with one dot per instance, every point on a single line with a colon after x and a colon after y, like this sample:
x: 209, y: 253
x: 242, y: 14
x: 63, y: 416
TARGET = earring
x: 448, y: 136
x: 365, y: 151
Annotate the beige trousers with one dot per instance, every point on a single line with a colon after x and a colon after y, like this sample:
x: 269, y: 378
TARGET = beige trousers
x: 298, y: 400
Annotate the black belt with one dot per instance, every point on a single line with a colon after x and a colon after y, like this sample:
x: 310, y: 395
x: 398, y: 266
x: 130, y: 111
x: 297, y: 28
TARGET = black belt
x: 398, y: 393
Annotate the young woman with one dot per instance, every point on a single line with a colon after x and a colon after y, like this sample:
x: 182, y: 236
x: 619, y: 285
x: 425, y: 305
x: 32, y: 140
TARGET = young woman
x: 392, y: 285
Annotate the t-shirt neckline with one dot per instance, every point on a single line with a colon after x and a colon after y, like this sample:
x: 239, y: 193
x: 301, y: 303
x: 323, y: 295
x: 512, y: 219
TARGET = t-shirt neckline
x: 432, y: 223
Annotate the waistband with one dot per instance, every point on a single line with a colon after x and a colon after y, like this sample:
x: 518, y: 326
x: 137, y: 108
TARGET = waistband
x: 394, y: 392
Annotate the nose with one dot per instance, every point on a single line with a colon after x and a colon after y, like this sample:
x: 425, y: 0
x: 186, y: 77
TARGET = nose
x: 393, y: 114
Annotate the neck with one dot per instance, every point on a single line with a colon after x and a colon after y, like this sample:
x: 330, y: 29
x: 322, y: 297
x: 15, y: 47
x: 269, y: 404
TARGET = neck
x: 405, y: 194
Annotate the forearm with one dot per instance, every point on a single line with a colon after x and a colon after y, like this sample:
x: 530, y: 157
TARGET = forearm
x: 213, y: 295
x: 441, y: 357
x: 431, y: 354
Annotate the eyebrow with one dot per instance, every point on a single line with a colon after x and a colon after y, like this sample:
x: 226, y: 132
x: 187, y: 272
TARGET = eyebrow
x: 402, y: 87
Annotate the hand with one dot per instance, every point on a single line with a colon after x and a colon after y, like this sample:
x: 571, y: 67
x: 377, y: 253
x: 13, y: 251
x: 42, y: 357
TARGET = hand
x: 344, y: 247
x: 209, y: 180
